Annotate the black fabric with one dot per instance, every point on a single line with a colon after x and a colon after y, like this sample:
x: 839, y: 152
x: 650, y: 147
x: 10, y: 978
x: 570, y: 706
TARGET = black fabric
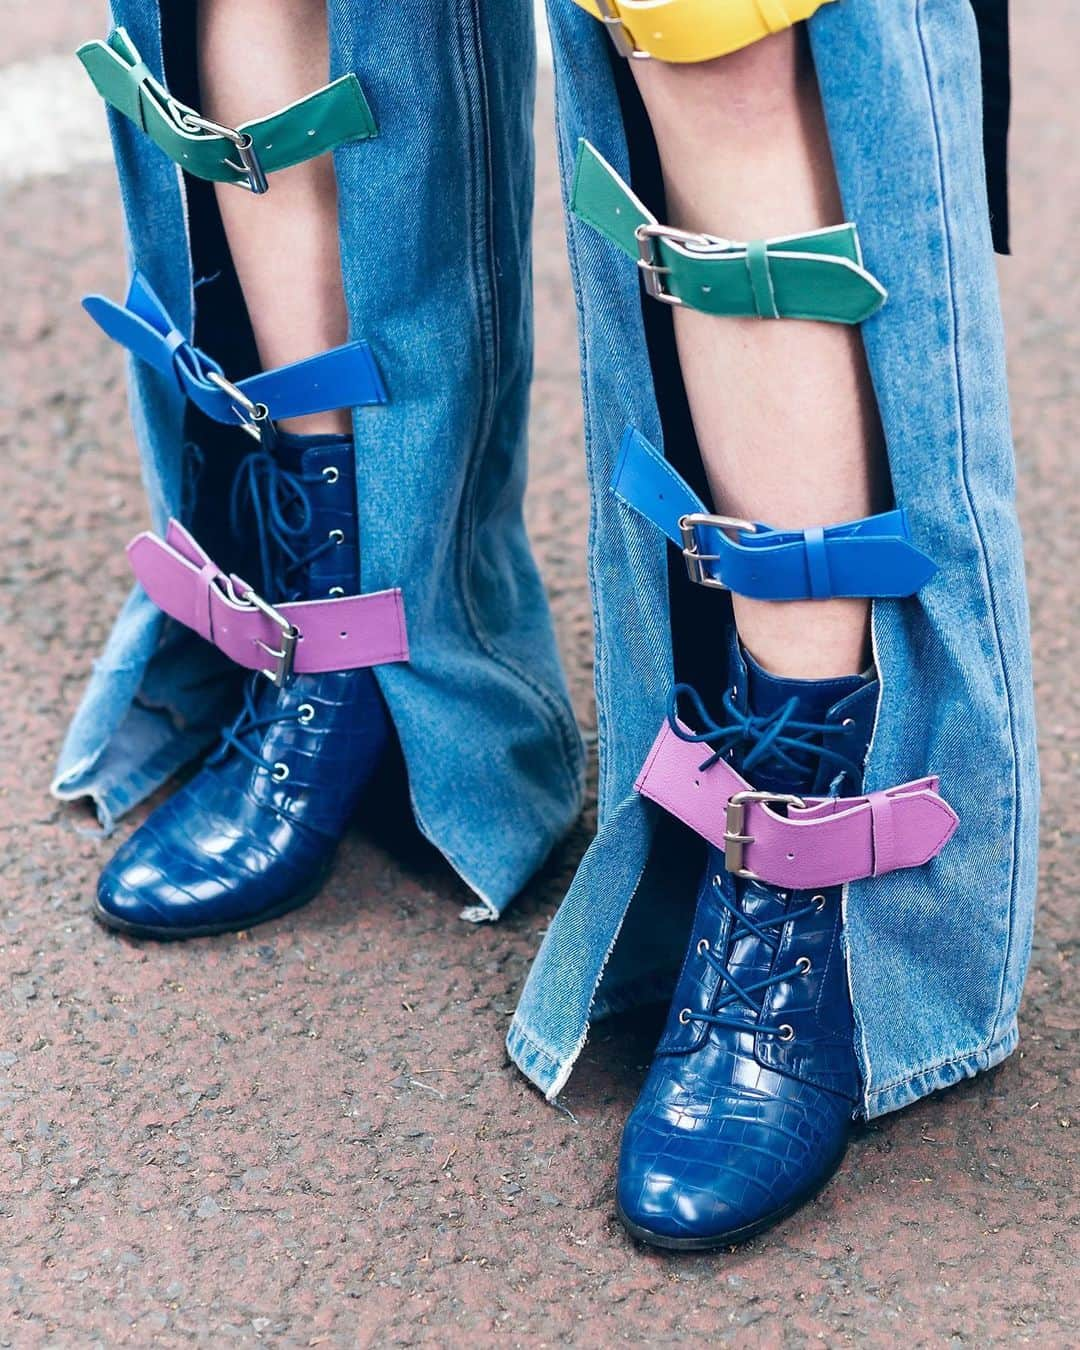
x: 992, y: 17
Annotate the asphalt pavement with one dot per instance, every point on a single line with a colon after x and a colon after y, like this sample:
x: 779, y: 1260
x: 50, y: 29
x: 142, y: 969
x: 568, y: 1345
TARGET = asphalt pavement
x: 309, y: 1134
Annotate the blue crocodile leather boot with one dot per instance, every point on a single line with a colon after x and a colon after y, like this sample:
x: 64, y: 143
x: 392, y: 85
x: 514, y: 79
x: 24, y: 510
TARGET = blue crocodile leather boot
x: 748, y: 1106
x: 252, y: 835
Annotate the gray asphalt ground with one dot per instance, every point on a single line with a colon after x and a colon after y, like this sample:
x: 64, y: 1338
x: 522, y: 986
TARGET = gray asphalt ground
x: 309, y: 1135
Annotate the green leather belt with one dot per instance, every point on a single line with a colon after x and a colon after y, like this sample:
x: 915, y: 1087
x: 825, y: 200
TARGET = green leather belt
x: 243, y: 155
x: 808, y: 276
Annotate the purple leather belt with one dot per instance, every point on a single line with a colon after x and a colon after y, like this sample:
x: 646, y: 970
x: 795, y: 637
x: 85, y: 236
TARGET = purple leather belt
x: 307, y: 636
x: 820, y: 842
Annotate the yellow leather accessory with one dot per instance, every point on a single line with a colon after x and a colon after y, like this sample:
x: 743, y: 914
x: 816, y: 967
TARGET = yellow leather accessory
x: 818, y: 275
x: 694, y: 30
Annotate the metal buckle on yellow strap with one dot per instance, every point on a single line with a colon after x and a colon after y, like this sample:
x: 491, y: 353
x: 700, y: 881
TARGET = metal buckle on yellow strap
x: 694, y: 30
x: 618, y: 32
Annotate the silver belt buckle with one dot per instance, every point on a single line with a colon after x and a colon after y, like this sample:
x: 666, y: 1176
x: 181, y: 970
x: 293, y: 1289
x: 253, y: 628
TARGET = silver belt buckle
x: 648, y: 235
x: 735, y: 838
x: 616, y: 28
x: 253, y: 416
x: 696, y: 560
x: 250, y: 166
x: 285, y: 655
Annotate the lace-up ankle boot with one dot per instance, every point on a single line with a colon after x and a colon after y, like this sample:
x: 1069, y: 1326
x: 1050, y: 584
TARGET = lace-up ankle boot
x: 252, y: 835
x: 748, y: 1106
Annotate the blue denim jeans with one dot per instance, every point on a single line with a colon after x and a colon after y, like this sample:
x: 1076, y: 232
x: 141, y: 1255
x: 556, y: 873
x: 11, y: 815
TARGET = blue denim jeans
x: 435, y: 218
x: 437, y: 280
x: 936, y: 954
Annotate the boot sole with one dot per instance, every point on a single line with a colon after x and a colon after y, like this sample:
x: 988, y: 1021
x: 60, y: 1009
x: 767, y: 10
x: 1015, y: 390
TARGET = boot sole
x: 737, y: 1236
x: 165, y: 933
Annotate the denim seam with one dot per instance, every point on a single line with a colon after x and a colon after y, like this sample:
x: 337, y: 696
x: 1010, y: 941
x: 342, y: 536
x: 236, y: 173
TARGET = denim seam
x: 149, y: 475
x: 936, y: 1066
x: 988, y: 579
x: 559, y: 1069
x: 567, y: 1067
x: 862, y: 1042
x: 602, y: 720
x: 155, y: 490
x: 603, y: 694
x: 600, y: 683
x: 477, y: 112
x: 517, y: 1029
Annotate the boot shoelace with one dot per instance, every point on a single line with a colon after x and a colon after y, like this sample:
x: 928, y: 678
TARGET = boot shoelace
x: 737, y: 995
x: 280, y: 508
x: 248, y: 727
x: 779, y: 737
x: 782, y: 739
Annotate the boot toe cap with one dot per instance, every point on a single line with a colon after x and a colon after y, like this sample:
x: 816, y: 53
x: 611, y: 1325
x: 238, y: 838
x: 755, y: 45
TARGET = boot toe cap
x: 714, y: 1173
x: 156, y: 890
x: 188, y: 872
x: 132, y: 895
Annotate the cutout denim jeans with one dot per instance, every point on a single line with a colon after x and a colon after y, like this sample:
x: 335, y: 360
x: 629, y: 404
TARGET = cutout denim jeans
x: 435, y: 217
x: 936, y: 954
x: 435, y: 220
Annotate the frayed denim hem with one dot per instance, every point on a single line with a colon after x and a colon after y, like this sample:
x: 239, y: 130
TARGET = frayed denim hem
x: 540, y: 1064
x: 897, y: 1095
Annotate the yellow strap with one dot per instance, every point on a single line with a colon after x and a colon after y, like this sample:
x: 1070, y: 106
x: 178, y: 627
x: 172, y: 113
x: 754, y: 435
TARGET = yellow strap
x: 695, y: 30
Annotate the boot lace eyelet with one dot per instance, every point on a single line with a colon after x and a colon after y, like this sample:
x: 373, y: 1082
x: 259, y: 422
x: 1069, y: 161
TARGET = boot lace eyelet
x: 786, y: 1032
x: 305, y: 713
x: 337, y: 536
x: 331, y: 473
x: 818, y: 901
x: 703, y: 946
x: 684, y: 1016
x: 804, y: 965
x: 279, y: 772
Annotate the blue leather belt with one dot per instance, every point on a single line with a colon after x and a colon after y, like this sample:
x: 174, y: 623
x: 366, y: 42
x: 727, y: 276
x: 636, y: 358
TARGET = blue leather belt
x: 344, y: 377
x: 863, y: 558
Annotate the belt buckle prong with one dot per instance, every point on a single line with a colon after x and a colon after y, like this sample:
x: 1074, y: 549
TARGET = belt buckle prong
x: 250, y: 166
x: 285, y: 656
x: 735, y: 836
x: 617, y: 31
x: 648, y: 234
x: 251, y: 415
x: 696, y: 560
